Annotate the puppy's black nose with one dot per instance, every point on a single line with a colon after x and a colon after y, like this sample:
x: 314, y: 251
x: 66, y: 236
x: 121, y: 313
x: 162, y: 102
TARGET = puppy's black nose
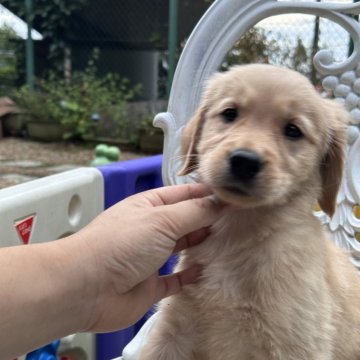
x: 245, y: 164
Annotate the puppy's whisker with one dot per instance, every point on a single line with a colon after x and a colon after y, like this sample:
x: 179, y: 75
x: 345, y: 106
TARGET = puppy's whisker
x: 185, y: 157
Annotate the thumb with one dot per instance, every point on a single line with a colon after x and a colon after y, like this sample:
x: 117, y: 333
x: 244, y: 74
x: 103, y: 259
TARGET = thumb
x: 187, y: 216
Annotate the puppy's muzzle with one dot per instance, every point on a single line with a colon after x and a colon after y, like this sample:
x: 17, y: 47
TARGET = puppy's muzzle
x: 245, y: 164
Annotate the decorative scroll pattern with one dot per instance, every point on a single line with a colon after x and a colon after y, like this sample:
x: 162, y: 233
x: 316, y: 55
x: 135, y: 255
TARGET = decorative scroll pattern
x: 224, y: 23
x: 345, y: 224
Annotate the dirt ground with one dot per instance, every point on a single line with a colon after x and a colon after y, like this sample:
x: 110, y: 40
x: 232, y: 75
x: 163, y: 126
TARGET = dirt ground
x: 22, y: 160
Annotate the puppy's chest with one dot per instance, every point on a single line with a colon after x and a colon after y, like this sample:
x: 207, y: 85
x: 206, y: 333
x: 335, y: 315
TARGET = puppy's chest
x: 238, y: 266
x: 237, y: 295
x: 251, y: 261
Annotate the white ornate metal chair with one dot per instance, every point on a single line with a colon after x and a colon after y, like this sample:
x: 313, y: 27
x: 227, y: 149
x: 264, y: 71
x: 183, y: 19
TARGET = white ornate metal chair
x: 219, y: 29
x: 224, y: 23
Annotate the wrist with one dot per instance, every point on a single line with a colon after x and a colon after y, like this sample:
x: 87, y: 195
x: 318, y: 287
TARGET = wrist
x: 80, y: 261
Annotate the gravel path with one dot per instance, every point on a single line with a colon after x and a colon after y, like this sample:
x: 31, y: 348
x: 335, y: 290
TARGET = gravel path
x: 23, y: 160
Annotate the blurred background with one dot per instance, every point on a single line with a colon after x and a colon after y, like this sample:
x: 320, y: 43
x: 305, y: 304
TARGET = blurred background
x: 97, y: 71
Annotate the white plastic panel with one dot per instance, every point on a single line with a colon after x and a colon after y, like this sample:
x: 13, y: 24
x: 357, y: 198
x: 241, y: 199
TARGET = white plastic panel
x: 59, y: 205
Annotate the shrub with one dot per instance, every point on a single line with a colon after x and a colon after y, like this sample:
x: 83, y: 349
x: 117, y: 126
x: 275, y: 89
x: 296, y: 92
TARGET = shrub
x: 8, y: 59
x: 80, y: 103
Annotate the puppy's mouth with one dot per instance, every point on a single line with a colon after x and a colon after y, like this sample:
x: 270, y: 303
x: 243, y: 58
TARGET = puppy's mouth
x: 236, y: 190
x: 241, y: 195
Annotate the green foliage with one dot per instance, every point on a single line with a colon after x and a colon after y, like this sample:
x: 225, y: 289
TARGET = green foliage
x: 146, y: 124
x: 252, y: 47
x: 53, y: 18
x: 295, y: 57
x: 255, y: 46
x: 301, y: 60
x: 8, y: 59
x: 81, y: 104
x: 34, y: 104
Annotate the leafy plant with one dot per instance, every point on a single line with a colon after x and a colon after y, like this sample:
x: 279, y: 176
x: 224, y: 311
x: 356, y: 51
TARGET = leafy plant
x: 300, y: 59
x: 257, y: 46
x: 8, y: 59
x: 80, y: 104
x: 150, y: 139
x: 146, y: 124
x: 252, y: 47
x: 34, y: 104
x: 52, y: 19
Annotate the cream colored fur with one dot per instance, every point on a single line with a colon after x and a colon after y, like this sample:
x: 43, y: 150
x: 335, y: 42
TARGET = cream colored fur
x: 274, y: 287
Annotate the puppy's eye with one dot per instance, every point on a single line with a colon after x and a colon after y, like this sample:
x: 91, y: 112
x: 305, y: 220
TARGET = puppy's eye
x: 293, y: 132
x: 229, y: 115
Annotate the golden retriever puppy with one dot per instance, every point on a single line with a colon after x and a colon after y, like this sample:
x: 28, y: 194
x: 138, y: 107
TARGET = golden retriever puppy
x: 273, y: 286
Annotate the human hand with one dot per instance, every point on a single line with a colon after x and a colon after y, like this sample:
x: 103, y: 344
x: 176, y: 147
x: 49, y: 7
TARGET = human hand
x: 133, y: 239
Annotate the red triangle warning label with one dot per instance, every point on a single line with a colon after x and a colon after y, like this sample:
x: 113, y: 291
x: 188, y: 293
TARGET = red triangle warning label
x: 24, y: 228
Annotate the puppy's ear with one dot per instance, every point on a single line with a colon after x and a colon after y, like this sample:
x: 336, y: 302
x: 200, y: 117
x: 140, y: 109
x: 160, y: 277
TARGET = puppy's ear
x: 332, y: 164
x: 190, y: 137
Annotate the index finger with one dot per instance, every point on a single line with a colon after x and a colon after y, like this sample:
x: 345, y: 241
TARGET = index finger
x: 173, y: 194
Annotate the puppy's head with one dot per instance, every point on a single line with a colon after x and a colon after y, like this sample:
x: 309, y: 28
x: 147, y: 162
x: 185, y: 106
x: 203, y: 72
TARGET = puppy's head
x: 262, y: 134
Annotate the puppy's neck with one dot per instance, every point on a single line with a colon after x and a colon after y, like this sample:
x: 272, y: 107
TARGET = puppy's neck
x: 267, y: 219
